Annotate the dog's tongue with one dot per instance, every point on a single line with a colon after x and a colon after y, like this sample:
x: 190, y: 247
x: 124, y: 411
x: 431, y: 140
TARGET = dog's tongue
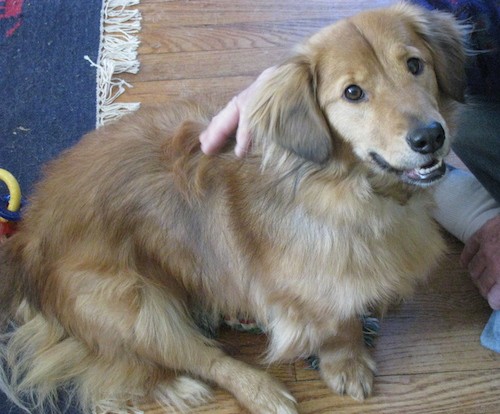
x: 429, y: 172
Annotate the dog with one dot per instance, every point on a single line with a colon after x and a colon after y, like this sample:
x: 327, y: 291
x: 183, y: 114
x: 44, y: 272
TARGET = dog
x: 134, y: 231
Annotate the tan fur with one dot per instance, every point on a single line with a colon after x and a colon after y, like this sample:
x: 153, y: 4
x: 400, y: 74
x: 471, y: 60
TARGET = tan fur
x: 134, y: 229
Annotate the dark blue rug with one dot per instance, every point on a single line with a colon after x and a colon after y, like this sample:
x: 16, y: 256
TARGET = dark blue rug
x: 50, y: 93
x: 48, y: 89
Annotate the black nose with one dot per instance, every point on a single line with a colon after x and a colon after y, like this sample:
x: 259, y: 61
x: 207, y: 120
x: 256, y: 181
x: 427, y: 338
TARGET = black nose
x: 427, y: 139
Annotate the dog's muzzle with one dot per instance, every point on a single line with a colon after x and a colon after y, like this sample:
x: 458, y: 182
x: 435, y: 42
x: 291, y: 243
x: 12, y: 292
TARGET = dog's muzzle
x: 421, y: 176
x: 426, y: 140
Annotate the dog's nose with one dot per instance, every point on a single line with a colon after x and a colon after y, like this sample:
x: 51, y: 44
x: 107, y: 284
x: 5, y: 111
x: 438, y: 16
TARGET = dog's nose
x: 427, y: 139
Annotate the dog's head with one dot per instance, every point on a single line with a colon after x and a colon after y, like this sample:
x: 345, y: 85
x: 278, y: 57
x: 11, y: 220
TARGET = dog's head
x: 381, y: 82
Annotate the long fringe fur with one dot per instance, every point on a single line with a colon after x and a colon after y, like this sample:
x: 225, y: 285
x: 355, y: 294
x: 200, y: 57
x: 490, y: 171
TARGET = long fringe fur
x: 46, y: 370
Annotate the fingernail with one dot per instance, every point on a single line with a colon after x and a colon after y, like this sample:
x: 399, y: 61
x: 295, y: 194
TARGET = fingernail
x: 204, y: 146
x: 203, y: 136
x: 240, y: 151
x: 206, y: 150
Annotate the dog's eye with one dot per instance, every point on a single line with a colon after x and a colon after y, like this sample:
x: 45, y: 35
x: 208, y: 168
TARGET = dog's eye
x: 415, y: 66
x: 354, y: 93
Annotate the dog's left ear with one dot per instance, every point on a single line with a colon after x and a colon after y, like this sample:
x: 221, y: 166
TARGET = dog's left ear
x: 445, y: 37
x: 285, y: 110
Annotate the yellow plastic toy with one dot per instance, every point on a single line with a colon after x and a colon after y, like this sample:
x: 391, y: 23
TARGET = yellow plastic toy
x: 14, y: 203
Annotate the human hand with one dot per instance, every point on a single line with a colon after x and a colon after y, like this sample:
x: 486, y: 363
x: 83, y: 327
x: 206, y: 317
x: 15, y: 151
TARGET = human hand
x: 481, y: 256
x: 234, y: 117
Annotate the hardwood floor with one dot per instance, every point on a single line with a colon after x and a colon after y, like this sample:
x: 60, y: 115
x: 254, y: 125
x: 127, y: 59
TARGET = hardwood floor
x: 428, y: 353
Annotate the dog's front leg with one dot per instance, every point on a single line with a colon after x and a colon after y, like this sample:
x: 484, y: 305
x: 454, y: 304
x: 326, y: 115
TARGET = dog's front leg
x: 345, y: 364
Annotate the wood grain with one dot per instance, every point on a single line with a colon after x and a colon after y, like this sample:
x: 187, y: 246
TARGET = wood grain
x: 428, y: 353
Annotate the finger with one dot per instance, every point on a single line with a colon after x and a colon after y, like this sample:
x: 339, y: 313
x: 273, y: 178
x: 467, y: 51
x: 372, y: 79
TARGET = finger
x: 243, y: 138
x: 477, y: 265
x: 220, y: 128
x: 266, y: 74
x: 470, y: 250
x: 494, y: 297
x: 243, y: 141
x: 485, y: 283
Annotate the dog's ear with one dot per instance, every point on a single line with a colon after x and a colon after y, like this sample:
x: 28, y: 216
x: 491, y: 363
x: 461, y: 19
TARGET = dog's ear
x: 445, y: 37
x: 285, y: 111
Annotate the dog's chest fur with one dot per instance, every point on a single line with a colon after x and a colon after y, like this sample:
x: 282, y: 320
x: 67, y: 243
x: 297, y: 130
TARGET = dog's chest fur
x: 319, y: 254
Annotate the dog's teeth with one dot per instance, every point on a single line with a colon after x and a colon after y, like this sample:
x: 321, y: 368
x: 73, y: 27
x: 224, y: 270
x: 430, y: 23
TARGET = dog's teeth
x: 434, y: 167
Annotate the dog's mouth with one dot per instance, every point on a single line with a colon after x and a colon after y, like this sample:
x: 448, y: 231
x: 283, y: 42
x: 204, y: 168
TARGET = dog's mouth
x: 424, y: 175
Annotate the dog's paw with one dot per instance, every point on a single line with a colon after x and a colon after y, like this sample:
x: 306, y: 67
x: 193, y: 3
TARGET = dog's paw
x: 183, y: 393
x: 274, y: 399
x: 261, y: 394
x: 349, y: 374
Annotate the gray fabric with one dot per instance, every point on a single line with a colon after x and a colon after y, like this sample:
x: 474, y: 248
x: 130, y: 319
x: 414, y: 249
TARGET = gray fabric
x: 478, y: 143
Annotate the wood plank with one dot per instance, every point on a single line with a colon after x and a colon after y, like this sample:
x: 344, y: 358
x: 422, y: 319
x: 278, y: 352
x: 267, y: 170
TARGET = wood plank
x: 231, y: 36
x: 450, y: 393
x: 215, y: 90
x: 406, y: 347
x: 409, y: 394
x: 212, y: 64
x: 207, y: 12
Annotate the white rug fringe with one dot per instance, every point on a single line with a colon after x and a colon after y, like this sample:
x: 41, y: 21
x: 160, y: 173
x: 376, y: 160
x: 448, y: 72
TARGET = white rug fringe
x: 120, y: 26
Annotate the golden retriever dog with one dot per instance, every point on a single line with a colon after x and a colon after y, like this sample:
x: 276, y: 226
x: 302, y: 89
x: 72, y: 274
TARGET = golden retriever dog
x: 134, y: 231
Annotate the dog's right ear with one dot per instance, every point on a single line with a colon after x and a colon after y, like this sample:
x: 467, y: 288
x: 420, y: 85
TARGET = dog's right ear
x: 445, y: 37
x: 286, y: 112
